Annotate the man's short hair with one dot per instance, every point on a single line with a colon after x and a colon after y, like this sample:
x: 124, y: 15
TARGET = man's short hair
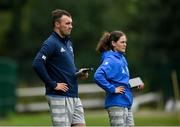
x: 57, y: 14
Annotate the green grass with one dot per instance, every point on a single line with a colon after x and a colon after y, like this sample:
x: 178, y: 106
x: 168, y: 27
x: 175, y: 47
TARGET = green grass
x: 94, y: 118
x: 156, y: 118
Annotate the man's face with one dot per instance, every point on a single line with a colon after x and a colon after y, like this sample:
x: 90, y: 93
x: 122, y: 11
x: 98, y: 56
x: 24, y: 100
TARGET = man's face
x: 64, y: 26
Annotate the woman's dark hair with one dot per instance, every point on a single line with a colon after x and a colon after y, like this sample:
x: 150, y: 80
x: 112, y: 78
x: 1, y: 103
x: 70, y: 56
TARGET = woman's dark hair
x: 57, y: 14
x: 105, y: 42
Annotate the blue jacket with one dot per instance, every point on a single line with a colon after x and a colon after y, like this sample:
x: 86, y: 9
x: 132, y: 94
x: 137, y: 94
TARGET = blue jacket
x: 54, y: 63
x: 113, y: 72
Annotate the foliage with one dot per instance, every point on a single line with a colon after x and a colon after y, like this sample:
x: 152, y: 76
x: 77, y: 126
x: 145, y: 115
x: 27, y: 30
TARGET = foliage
x: 152, y: 28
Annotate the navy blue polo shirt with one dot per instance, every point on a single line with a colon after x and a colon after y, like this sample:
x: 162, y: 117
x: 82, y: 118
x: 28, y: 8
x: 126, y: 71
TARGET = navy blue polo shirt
x: 54, y: 63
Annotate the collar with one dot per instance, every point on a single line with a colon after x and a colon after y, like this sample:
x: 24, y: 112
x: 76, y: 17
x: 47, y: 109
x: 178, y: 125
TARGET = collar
x: 113, y: 53
x: 60, y: 38
x: 106, y: 54
x: 119, y: 54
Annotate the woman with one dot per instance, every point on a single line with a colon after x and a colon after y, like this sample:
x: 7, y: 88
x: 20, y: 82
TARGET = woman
x: 113, y: 76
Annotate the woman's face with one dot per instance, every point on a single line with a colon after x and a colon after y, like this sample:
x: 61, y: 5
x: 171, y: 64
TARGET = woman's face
x: 120, y: 45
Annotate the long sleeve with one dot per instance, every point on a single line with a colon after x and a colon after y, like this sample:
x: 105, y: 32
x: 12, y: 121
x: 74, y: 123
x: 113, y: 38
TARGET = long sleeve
x: 101, y: 77
x: 39, y: 64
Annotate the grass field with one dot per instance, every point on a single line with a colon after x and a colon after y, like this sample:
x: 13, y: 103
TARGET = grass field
x: 94, y: 118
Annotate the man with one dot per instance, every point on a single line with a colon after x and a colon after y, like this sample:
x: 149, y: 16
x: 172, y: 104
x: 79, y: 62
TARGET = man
x: 54, y: 64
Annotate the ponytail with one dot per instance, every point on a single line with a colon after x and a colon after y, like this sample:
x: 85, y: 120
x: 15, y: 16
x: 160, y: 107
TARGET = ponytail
x: 104, y: 43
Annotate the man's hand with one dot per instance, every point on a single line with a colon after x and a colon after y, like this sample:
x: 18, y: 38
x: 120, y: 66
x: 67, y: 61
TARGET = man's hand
x: 119, y: 89
x: 83, y: 73
x: 62, y: 86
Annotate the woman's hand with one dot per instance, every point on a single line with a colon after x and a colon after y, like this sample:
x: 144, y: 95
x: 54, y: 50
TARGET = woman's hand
x: 120, y: 89
x: 141, y: 86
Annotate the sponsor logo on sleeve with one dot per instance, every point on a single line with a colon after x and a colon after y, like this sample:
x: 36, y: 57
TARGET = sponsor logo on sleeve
x: 43, y: 57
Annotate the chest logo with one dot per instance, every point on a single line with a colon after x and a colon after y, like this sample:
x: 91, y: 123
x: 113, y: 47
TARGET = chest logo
x: 62, y: 49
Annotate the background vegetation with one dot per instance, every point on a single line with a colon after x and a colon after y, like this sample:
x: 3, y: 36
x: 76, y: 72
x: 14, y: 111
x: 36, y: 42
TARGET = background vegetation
x: 152, y: 28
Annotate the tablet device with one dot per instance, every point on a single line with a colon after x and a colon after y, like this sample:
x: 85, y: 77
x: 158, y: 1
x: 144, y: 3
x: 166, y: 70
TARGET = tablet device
x: 134, y: 82
x: 84, y: 70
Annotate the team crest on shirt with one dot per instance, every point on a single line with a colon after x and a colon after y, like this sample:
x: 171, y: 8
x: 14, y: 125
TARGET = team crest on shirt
x: 71, y: 48
x: 123, y: 71
x: 127, y: 69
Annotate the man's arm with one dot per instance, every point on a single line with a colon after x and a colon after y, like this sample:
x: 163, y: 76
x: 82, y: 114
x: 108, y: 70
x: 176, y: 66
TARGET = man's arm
x: 39, y: 64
